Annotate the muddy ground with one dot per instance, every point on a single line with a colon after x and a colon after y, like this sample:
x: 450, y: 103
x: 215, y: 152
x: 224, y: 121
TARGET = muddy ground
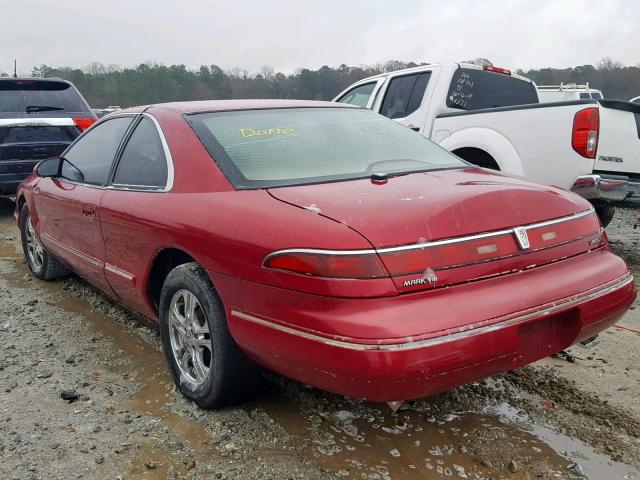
x: 123, y: 418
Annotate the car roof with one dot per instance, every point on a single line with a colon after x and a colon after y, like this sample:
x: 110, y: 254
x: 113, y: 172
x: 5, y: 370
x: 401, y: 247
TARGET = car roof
x: 229, y: 105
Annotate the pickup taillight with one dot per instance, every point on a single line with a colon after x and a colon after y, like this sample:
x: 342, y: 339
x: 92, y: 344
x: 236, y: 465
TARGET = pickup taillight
x: 586, y: 127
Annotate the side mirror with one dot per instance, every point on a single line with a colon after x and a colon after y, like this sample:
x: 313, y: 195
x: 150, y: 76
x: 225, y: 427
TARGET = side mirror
x: 49, y: 167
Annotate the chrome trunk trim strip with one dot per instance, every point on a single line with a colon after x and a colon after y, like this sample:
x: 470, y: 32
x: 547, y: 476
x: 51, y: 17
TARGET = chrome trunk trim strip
x: 418, y: 246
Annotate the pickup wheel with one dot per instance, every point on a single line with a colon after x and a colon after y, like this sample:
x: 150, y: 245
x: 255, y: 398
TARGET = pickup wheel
x: 604, y: 210
x: 477, y: 157
x: 207, y: 365
x: 41, y: 263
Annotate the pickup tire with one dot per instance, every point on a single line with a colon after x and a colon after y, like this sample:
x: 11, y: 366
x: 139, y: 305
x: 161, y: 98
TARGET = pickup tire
x: 604, y: 210
x: 477, y: 157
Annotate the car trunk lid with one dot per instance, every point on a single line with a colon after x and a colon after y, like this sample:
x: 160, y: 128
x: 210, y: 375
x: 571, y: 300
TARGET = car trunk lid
x: 441, y: 228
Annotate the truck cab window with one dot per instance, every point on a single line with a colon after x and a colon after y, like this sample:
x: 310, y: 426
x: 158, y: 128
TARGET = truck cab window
x: 404, y: 95
x: 473, y: 89
x: 358, y: 96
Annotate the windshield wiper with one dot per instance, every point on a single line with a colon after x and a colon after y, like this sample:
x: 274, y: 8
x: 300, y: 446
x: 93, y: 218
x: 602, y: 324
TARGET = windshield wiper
x: 41, y: 108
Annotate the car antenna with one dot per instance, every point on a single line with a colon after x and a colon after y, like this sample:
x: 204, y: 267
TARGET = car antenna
x: 15, y: 68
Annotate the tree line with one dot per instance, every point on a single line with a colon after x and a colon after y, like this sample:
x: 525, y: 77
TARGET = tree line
x: 613, y: 78
x: 146, y: 83
x: 153, y: 83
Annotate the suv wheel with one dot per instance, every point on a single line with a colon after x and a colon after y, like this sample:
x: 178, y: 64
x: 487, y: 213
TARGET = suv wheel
x: 206, y: 363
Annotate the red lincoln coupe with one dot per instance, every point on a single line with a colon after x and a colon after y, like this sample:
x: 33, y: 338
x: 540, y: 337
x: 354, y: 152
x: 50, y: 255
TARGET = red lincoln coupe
x: 322, y: 241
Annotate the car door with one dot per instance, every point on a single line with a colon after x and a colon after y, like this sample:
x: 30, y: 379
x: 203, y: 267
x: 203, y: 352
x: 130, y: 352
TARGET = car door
x: 142, y: 177
x: 67, y: 205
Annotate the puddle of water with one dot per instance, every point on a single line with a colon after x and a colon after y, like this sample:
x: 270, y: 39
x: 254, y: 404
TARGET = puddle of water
x: 595, y: 464
x: 369, y: 442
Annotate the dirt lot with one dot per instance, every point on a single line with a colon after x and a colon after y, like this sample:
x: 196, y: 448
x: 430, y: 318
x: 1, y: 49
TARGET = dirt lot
x: 123, y: 418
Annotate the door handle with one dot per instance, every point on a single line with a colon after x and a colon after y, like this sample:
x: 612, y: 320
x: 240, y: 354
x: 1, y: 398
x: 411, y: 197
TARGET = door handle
x: 89, y: 211
x: 413, y: 127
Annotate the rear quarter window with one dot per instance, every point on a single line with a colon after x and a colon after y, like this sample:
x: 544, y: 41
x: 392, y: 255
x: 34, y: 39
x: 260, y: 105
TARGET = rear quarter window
x: 39, y: 96
x: 473, y: 89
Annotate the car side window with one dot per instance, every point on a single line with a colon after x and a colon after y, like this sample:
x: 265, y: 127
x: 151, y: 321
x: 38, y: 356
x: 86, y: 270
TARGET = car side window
x: 404, y: 95
x: 359, y: 96
x: 89, y: 160
x: 142, y: 163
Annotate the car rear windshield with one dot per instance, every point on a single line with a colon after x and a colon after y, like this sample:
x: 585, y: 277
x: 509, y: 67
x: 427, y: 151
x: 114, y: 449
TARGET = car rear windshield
x: 473, y: 89
x: 295, y: 146
x: 39, y: 97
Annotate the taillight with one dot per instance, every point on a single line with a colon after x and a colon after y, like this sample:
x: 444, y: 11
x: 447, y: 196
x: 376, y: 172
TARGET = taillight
x: 430, y: 258
x: 328, y: 265
x: 84, y: 123
x: 491, y: 68
x: 415, y: 260
x: 586, y: 126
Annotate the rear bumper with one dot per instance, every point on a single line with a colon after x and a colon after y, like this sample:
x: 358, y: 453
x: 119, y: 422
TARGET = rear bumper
x: 613, y: 188
x: 401, y: 368
x: 13, y: 172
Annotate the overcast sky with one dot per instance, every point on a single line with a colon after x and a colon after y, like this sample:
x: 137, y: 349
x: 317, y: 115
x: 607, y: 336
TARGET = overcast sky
x: 292, y: 34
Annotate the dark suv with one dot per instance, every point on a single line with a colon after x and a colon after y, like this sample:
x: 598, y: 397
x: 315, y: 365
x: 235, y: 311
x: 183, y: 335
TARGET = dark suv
x: 39, y: 118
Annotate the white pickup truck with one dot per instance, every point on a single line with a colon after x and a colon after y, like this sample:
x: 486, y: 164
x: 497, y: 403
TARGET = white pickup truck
x: 493, y: 119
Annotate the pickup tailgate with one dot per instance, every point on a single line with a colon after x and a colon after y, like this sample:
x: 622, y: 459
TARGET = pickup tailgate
x: 619, y: 138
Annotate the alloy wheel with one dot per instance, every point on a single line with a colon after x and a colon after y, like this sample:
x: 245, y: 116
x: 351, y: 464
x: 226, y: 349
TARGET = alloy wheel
x: 35, y: 250
x: 190, y: 337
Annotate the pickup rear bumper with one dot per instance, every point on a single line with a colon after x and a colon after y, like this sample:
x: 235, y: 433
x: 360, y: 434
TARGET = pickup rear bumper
x: 605, y: 187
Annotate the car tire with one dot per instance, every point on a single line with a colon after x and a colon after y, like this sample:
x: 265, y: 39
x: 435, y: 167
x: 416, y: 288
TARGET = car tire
x: 207, y: 365
x: 42, y: 264
x: 605, y: 211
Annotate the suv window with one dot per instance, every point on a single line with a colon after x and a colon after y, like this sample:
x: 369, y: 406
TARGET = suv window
x: 89, y: 159
x: 39, y: 96
x: 404, y: 95
x: 142, y: 163
x: 473, y: 89
x: 358, y: 96
x: 584, y: 95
